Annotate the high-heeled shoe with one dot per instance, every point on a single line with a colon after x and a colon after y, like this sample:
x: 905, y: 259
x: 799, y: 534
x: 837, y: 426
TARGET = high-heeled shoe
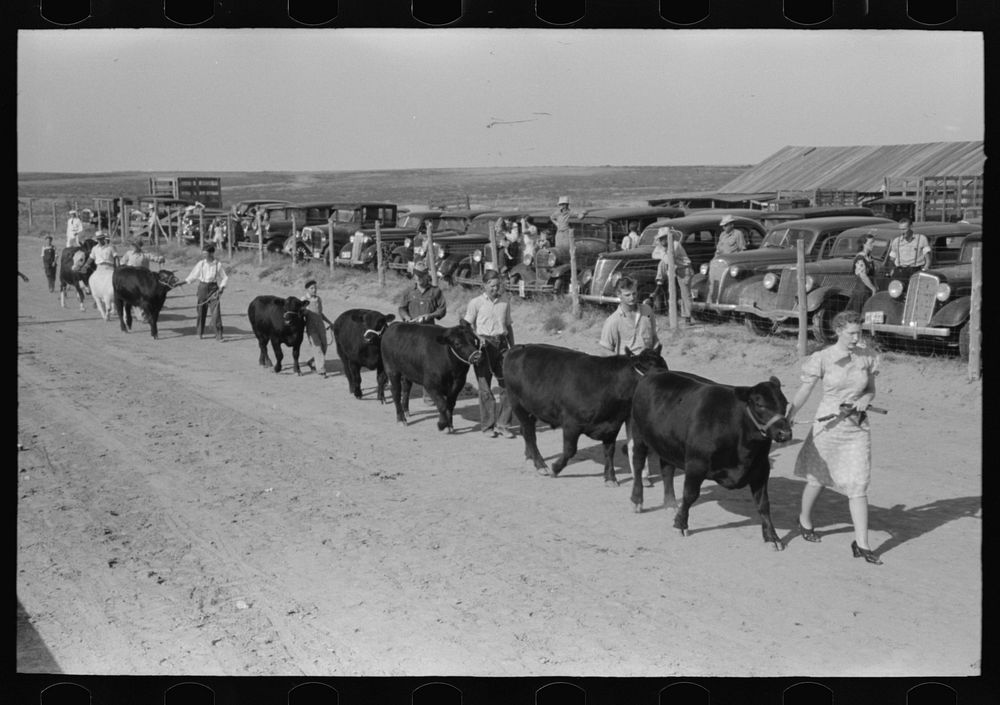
x: 868, y: 554
x: 809, y: 534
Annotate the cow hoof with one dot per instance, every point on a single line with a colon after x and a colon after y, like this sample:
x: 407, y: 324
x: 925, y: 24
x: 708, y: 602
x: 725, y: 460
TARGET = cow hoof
x: 777, y: 545
x: 637, y: 507
x: 684, y: 532
x: 611, y: 483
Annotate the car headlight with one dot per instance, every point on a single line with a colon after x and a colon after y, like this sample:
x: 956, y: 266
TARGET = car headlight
x: 703, y: 269
x: 734, y: 270
x: 477, y: 256
x: 810, y: 282
x: 895, y: 288
x: 438, y: 251
x: 586, y: 276
x: 770, y: 280
x: 943, y: 292
x: 550, y: 259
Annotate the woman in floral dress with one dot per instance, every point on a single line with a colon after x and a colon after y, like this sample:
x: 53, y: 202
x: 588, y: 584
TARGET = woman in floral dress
x: 837, y: 451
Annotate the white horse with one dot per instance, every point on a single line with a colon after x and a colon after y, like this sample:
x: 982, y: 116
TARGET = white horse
x: 102, y: 290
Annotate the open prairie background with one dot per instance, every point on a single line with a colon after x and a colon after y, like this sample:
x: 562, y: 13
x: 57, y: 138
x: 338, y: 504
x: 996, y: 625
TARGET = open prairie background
x: 487, y: 187
x: 181, y: 510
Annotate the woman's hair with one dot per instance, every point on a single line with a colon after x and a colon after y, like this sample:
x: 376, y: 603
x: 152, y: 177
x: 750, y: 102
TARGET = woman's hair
x: 310, y: 283
x: 845, y: 318
x: 625, y: 284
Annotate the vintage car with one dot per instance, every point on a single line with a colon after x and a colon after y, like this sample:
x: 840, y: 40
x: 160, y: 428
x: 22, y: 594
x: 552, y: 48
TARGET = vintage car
x: 769, y: 299
x: 276, y: 223
x: 446, y: 225
x: 716, y: 289
x: 468, y: 256
x: 700, y: 235
x: 776, y: 217
x: 354, y: 232
x: 595, y: 232
x: 932, y: 306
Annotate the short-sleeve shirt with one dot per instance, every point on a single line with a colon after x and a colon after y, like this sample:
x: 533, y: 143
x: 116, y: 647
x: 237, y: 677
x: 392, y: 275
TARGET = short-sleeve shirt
x: 864, y: 265
x: 135, y: 258
x: 488, y: 317
x: 630, y: 240
x: 909, y: 254
x: 104, y: 254
x: 681, y: 260
x: 733, y: 241
x: 845, y: 377
x: 634, y: 330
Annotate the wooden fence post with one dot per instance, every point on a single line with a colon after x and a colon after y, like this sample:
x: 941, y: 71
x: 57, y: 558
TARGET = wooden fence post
x: 429, y: 253
x: 155, y: 228
x: 54, y: 228
x: 975, y: 316
x: 493, y: 250
x: 230, y: 232
x: 378, y: 254
x: 574, y: 284
x: 331, y: 252
x: 671, y: 281
x: 800, y: 271
x: 201, y: 228
x: 126, y: 218
x: 29, y: 213
x: 295, y: 244
x: 260, y: 239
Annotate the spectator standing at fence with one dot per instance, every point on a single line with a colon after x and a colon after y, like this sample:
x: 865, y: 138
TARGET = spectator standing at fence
x: 731, y: 239
x: 212, y: 279
x: 631, y: 239
x: 74, y: 226
x: 909, y: 252
x: 529, y: 236
x: 49, y: 262
x: 837, y: 451
x: 560, y: 219
x: 682, y: 273
x: 864, y: 265
x: 489, y: 314
x: 218, y: 232
x: 316, y: 323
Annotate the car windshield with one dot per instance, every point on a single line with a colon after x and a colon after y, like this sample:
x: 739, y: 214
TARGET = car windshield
x: 412, y: 221
x: 458, y: 224
x: 646, y: 238
x: 784, y: 238
x: 344, y: 215
x: 318, y: 213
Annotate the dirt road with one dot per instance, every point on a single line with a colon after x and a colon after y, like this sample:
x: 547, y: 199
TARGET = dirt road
x: 181, y: 510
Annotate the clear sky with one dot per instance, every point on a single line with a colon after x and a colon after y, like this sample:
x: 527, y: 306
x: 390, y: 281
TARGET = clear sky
x: 319, y: 100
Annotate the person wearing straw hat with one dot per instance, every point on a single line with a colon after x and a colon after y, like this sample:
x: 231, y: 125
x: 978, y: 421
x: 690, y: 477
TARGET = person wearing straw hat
x: 212, y: 279
x: 74, y: 226
x: 731, y: 239
x: 560, y: 218
x: 682, y: 272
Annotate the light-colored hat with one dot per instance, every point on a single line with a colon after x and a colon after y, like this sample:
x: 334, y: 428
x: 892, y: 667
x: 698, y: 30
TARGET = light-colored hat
x: 562, y: 200
x: 101, y: 235
x: 72, y: 212
x: 664, y: 231
x: 904, y: 224
x: 726, y: 219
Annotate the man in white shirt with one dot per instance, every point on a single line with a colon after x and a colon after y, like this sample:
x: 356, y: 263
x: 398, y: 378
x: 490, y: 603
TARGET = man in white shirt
x: 212, y: 280
x: 74, y: 226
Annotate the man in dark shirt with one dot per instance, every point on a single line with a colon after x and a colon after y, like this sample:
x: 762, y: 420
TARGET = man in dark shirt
x: 424, y: 303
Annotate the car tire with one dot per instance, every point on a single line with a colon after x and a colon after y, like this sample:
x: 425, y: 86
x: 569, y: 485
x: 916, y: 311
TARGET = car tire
x: 273, y: 246
x: 821, y: 325
x: 301, y: 252
x: 559, y: 287
x: 758, y: 325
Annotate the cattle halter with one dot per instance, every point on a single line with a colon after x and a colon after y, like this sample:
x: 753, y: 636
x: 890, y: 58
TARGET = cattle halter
x: 467, y: 362
x: 763, y: 427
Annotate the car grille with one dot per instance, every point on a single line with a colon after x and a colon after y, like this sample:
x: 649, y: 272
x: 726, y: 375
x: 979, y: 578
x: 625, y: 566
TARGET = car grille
x: 920, y: 300
x: 788, y: 289
x: 716, y: 278
x: 600, y: 285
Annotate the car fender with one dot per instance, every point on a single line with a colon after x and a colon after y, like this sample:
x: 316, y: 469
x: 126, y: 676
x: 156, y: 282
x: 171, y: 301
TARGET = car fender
x: 953, y: 313
x: 892, y: 308
x: 560, y: 271
x: 402, y: 251
x: 819, y: 296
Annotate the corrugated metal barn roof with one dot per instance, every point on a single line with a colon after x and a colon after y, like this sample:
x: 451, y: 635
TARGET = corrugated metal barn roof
x: 858, y: 168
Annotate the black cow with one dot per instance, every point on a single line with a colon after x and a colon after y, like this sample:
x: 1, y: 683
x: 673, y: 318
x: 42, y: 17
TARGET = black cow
x: 714, y: 431
x: 583, y: 394
x: 76, y: 279
x: 146, y: 290
x: 435, y: 357
x: 278, y: 321
x: 358, y: 335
